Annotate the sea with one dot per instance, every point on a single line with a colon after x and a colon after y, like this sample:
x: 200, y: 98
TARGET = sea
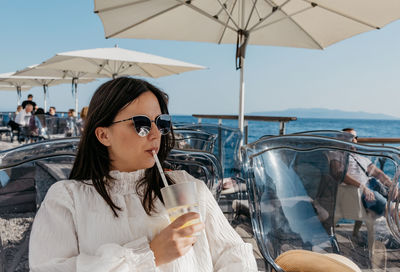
x: 364, y: 127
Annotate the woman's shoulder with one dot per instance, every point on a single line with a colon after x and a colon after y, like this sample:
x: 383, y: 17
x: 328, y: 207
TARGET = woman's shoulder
x: 68, y: 188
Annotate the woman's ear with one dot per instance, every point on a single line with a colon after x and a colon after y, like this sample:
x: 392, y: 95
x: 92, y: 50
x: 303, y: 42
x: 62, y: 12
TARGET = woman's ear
x: 103, y: 135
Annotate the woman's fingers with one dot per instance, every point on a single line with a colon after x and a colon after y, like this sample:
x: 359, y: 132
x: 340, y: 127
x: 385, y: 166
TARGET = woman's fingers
x: 190, y: 230
x: 181, y: 220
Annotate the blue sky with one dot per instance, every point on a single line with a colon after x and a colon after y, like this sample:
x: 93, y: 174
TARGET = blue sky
x: 357, y: 74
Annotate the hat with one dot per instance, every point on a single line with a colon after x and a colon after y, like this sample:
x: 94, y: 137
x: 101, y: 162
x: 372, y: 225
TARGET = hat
x: 309, y: 261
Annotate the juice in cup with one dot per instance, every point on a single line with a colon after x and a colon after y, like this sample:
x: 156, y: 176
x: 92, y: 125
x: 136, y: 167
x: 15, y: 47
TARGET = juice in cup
x: 179, y: 199
x: 175, y: 212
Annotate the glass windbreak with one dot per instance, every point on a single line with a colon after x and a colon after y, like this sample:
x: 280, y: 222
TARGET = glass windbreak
x: 304, y: 192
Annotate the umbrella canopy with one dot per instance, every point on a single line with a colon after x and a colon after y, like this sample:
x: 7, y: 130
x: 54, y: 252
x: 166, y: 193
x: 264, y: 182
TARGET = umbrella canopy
x: 115, y: 62
x: 297, y: 23
x: 50, y: 77
x: 22, y: 82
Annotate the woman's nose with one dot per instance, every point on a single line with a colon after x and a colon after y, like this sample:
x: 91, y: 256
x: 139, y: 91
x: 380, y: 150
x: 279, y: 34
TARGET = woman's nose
x: 154, y: 132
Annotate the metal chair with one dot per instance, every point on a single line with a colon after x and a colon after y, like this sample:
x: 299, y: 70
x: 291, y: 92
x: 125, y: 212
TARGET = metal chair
x: 292, y: 184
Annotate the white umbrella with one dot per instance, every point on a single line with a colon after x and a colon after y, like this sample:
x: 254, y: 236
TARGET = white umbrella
x: 19, y: 88
x: 54, y: 77
x: 114, y: 62
x: 295, y: 23
x: 21, y: 82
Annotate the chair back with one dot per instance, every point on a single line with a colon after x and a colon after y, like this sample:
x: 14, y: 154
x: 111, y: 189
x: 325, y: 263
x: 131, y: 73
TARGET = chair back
x: 292, y: 184
x: 26, y: 173
x: 227, y: 143
x: 194, y: 139
x: 200, y: 164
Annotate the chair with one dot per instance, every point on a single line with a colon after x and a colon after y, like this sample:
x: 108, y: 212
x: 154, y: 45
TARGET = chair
x: 200, y: 164
x: 26, y: 173
x: 226, y: 148
x: 194, y: 139
x: 293, y: 183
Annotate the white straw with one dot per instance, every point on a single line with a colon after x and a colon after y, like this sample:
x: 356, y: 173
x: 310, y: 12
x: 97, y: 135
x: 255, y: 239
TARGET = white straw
x: 160, y: 169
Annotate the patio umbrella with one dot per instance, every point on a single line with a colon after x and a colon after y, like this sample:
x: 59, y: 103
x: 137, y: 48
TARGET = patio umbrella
x: 19, y: 88
x: 297, y: 23
x: 57, y: 77
x: 20, y: 82
x: 115, y: 62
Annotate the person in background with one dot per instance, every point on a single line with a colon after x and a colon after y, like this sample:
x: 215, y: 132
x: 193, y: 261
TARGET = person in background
x: 373, y: 182
x: 22, y: 118
x: 19, y: 108
x: 71, y: 113
x: 52, y: 111
x: 82, y: 117
x: 37, y: 125
x: 29, y: 100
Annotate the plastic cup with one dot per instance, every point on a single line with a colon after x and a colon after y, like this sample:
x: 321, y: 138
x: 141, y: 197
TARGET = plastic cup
x: 179, y: 199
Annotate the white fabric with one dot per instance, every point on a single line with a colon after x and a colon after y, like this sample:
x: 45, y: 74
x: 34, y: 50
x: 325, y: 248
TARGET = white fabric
x: 294, y: 23
x: 354, y: 169
x: 22, y: 118
x: 75, y: 230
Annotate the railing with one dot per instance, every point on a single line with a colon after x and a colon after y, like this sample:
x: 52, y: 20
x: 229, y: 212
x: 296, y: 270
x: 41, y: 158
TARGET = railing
x: 381, y: 141
x: 282, y: 121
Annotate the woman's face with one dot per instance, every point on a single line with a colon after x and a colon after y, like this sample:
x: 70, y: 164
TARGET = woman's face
x: 128, y: 151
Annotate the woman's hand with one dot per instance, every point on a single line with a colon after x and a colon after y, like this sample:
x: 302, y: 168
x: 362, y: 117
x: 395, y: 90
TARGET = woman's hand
x: 174, y: 241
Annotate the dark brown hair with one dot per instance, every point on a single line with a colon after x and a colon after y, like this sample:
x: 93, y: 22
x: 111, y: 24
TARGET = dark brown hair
x: 93, y: 160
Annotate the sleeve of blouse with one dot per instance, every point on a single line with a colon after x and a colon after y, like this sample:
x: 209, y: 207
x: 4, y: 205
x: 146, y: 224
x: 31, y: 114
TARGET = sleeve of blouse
x: 53, y: 243
x: 228, y: 251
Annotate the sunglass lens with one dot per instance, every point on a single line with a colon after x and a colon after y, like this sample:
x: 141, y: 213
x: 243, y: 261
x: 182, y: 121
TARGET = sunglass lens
x: 163, y: 123
x: 142, y: 125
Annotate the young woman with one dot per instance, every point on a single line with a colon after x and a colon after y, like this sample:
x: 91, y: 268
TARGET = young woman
x: 110, y: 215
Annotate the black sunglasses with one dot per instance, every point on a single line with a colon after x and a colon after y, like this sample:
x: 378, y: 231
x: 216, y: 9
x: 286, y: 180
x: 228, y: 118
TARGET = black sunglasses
x: 142, y: 124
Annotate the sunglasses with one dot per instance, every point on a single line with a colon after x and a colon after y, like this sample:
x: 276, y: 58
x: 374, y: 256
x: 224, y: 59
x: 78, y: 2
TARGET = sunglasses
x: 142, y: 124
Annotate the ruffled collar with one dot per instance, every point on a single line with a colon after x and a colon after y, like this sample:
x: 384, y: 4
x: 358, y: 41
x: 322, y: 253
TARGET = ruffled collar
x: 124, y: 182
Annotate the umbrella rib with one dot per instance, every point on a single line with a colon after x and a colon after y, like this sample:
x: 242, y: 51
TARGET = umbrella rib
x: 120, y: 6
x: 290, y: 18
x: 229, y: 14
x: 226, y: 23
x: 144, y: 70
x: 274, y: 9
x: 143, y: 21
x: 251, y: 13
x: 202, y: 12
x: 342, y: 14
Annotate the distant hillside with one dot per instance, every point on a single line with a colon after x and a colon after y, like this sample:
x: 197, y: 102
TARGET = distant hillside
x: 326, y: 113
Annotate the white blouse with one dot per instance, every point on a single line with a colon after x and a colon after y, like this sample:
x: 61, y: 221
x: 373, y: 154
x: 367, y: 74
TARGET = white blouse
x: 75, y: 230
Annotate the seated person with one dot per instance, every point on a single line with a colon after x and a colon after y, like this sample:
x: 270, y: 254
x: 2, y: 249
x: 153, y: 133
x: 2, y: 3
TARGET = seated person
x: 373, y: 182
x: 22, y: 118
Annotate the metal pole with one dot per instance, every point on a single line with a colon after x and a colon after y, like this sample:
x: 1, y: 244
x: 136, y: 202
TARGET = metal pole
x: 45, y: 95
x: 76, y: 96
x: 18, y: 95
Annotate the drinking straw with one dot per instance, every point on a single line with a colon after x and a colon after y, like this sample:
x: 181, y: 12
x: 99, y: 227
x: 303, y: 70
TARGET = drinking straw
x: 160, y: 169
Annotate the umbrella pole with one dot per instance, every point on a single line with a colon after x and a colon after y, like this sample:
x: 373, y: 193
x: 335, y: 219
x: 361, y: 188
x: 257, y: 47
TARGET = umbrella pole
x: 241, y: 97
x: 76, y: 96
x: 18, y: 95
x: 45, y: 94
